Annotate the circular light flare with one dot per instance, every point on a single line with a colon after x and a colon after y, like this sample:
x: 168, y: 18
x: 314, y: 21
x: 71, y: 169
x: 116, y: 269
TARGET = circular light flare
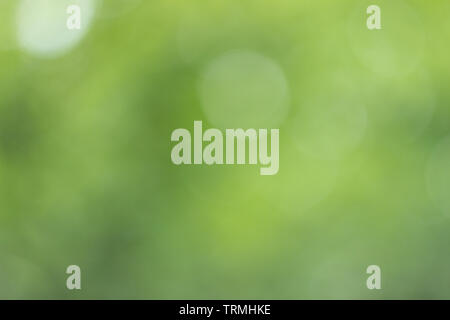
x: 42, y: 29
x: 243, y: 89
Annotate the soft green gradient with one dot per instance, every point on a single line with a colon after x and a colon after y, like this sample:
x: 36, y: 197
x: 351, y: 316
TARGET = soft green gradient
x: 86, y: 176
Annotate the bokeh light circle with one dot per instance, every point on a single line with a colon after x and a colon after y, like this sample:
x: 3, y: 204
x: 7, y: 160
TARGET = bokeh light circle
x: 42, y: 29
x: 394, y: 49
x: 244, y: 89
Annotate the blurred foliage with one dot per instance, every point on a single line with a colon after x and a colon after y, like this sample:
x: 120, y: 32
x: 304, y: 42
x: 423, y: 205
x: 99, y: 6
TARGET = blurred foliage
x: 86, y: 176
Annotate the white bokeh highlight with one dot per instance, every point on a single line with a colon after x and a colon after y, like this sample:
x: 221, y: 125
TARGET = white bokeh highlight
x: 42, y: 29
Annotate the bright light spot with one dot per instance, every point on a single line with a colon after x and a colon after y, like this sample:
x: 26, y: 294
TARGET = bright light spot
x: 42, y: 29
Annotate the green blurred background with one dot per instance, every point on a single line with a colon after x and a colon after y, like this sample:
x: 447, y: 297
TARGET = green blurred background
x: 85, y: 170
